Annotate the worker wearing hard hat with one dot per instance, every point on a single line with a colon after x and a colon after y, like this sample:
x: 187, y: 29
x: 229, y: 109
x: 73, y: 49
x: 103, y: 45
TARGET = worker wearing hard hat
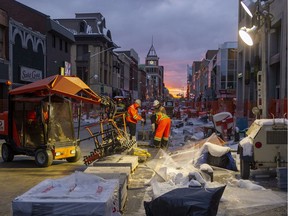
x: 162, y: 132
x: 132, y: 117
x: 158, y: 107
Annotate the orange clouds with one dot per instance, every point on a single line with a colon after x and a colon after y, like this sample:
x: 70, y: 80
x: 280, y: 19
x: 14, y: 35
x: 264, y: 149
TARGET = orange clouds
x: 175, y: 76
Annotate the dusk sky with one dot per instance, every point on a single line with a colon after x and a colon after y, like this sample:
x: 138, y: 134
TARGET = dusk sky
x: 182, y: 30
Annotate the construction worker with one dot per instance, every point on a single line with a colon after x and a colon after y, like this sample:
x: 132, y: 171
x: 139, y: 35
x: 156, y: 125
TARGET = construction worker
x: 158, y: 107
x: 162, y: 133
x: 132, y: 117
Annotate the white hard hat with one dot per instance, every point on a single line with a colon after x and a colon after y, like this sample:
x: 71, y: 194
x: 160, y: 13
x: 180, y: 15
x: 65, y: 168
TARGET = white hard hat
x: 156, y: 103
x: 137, y: 101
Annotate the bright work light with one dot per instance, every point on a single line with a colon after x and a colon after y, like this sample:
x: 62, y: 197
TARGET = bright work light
x: 245, y: 34
x: 249, y: 6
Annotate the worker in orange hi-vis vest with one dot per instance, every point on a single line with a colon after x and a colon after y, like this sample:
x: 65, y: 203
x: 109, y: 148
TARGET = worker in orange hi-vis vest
x: 132, y: 117
x: 162, y: 133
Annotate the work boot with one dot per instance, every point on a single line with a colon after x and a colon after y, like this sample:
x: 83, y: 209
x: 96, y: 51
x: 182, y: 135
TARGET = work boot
x: 164, y: 144
x: 157, y: 144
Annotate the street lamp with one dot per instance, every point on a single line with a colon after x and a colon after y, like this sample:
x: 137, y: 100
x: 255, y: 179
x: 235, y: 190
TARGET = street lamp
x: 95, y: 65
x: 113, y: 47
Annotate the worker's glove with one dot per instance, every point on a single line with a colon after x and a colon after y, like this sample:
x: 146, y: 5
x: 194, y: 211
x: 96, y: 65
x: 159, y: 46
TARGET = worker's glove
x: 153, y: 128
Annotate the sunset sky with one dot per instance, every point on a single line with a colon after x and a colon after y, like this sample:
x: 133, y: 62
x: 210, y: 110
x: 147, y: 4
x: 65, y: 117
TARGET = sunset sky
x: 182, y: 30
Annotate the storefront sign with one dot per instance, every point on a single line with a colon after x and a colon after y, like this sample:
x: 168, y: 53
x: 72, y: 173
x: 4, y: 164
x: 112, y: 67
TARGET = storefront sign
x: 30, y: 74
x: 67, y: 69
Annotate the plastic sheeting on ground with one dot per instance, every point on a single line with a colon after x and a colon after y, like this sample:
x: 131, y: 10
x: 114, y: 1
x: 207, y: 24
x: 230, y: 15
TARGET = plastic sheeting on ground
x: 76, y: 194
x: 215, y: 155
x: 186, y: 202
x: 239, y: 198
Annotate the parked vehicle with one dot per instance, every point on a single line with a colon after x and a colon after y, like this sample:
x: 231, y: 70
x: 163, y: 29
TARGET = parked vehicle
x: 39, y: 120
x: 265, y: 146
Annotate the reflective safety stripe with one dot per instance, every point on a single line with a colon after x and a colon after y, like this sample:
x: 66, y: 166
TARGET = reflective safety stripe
x: 157, y: 138
x: 132, y: 114
x: 163, y: 116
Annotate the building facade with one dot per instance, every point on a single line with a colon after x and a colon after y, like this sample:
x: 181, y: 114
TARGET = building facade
x: 133, y: 72
x: 92, y: 54
x: 32, y: 46
x: 213, y: 80
x: 155, y: 76
x: 226, y: 70
x: 142, y: 77
x: 262, y: 68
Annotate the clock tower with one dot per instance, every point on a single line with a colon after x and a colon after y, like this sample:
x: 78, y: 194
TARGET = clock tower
x: 155, y: 86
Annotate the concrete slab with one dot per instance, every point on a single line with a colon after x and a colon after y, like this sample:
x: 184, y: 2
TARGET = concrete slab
x: 118, y: 160
x: 106, y: 170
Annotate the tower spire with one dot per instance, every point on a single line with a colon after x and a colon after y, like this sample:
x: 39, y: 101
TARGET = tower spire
x: 152, y: 51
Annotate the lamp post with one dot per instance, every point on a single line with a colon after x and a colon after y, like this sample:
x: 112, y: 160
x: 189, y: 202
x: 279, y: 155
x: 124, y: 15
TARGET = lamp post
x: 259, y: 12
x: 94, y: 54
x: 94, y: 65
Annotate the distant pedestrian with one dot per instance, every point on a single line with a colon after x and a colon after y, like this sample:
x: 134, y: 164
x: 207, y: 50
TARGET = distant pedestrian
x: 132, y: 117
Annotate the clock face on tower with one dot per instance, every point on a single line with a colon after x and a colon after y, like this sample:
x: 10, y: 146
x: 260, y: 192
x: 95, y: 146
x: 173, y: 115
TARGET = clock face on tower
x: 151, y: 62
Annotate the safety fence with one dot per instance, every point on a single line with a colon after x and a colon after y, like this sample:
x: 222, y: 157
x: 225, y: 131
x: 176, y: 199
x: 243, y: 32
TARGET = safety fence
x: 276, y: 108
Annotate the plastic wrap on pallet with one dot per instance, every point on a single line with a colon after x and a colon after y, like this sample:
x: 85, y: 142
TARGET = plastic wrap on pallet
x: 77, y: 194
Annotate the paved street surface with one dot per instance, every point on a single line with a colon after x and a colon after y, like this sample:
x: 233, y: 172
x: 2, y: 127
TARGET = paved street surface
x: 22, y: 174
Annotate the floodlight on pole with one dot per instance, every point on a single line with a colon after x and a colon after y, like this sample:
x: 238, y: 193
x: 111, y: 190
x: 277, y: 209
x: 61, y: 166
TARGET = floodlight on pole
x: 249, y: 6
x: 245, y: 34
x: 256, y: 7
x: 259, y: 10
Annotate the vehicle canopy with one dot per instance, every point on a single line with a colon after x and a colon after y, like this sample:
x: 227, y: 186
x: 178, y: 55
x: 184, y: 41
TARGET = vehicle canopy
x: 259, y: 123
x: 69, y: 86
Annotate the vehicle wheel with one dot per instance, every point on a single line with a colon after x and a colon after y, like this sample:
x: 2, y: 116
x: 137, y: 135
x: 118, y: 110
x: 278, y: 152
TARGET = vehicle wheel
x: 43, y: 157
x: 76, y: 157
x: 244, y: 169
x: 7, y: 153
